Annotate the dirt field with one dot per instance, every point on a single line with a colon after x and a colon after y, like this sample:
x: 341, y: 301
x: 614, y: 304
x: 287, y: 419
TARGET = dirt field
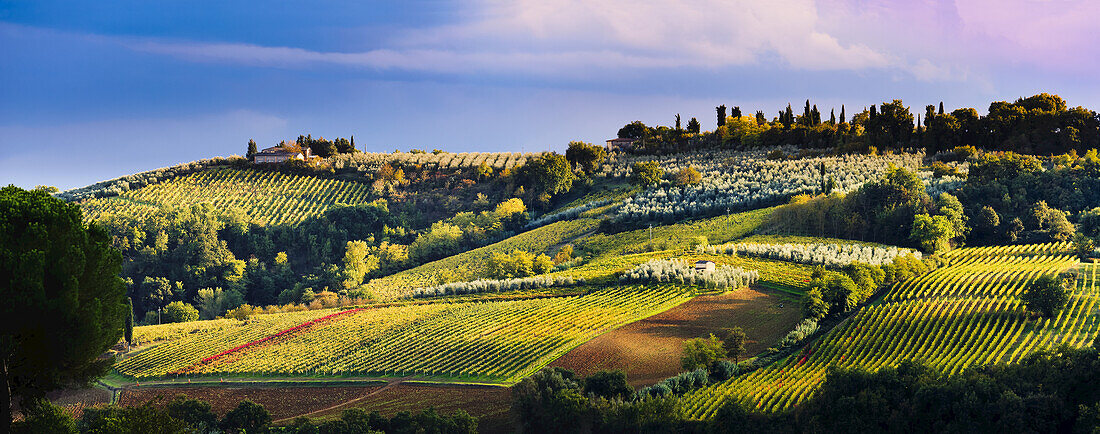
x: 649, y: 350
x: 490, y: 405
x: 280, y: 401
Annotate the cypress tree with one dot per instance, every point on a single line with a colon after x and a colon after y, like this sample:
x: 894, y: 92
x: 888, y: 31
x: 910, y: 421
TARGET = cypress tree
x: 842, y: 118
x: 130, y: 321
x: 832, y: 116
x: 353, y: 144
x: 721, y: 114
x: 677, y: 121
x: 874, y: 111
x: 736, y: 112
x: 806, y: 116
x: 815, y: 116
x: 251, y: 149
x: 790, y: 116
x: 941, y: 107
x: 760, y: 119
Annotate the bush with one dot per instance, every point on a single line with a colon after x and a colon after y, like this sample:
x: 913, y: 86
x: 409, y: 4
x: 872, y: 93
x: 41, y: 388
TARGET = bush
x: 647, y: 173
x: 178, y: 311
x: 688, y: 176
x: 1046, y: 296
x: 702, y: 352
x: 44, y: 417
x: 608, y: 384
x: 247, y: 417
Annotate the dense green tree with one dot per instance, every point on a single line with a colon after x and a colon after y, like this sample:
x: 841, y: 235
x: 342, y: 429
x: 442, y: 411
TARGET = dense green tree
x: 64, y: 302
x: 646, y: 173
x: 251, y: 154
x: 932, y: 233
x: 814, y: 305
x: 733, y: 340
x: 608, y: 384
x: 1047, y: 295
x: 549, y: 173
x: 702, y: 352
x: 551, y: 400
x: 693, y: 126
x: 178, y: 311
x: 586, y: 155
x: 143, y: 419
x: 247, y: 417
x: 196, y: 413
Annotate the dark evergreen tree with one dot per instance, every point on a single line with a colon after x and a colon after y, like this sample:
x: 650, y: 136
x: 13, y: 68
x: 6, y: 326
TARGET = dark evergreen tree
x: 760, y: 119
x: 843, y: 119
x: 64, y: 304
x: 832, y: 116
x: 693, y: 126
x: 815, y: 116
x: 129, y: 335
x: 721, y: 114
x: 678, y: 122
x: 941, y: 107
x: 807, y: 118
x: 251, y: 150
x: 736, y: 113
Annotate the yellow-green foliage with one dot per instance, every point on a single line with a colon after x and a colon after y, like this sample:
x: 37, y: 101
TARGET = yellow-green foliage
x: 966, y: 314
x: 475, y: 263
x: 500, y: 341
x: 266, y: 197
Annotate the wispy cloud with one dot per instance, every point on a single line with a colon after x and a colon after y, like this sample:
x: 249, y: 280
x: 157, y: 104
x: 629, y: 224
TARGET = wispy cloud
x: 573, y: 37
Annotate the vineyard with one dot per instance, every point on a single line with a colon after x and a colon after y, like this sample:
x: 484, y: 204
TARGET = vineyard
x: 471, y: 265
x: 962, y: 315
x: 266, y: 197
x: 498, y: 341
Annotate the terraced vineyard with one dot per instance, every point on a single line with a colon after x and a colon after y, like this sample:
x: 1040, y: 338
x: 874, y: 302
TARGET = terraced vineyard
x: 966, y: 314
x: 499, y: 341
x: 267, y: 197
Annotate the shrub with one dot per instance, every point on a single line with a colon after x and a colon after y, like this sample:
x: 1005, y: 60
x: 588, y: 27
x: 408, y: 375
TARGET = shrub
x: 608, y: 384
x: 1046, y: 295
x: 246, y: 417
x: 702, y: 352
x: 178, y: 311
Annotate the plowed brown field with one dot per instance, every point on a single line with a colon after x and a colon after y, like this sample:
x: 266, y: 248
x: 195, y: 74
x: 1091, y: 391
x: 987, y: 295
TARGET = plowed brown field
x: 649, y: 350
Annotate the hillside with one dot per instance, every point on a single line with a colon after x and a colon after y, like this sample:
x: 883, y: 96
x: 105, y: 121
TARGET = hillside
x: 965, y: 314
x: 443, y: 307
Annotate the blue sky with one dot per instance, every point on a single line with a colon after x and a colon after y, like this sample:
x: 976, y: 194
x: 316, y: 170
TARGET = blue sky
x: 95, y: 90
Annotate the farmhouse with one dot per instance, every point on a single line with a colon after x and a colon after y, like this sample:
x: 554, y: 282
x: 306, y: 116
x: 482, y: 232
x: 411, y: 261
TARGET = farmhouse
x: 279, y: 154
x: 704, y: 266
x: 619, y: 144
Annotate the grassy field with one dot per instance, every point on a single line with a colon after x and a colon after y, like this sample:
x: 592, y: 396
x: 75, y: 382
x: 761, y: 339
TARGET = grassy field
x: 266, y: 197
x: 497, y: 341
x: 966, y: 314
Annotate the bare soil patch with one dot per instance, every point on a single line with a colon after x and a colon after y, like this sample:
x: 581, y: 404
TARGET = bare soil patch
x: 649, y: 350
x: 490, y: 405
x: 282, y: 402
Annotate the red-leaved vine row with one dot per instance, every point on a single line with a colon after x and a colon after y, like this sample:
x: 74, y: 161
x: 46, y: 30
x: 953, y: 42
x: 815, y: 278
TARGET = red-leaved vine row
x: 284, y: 332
